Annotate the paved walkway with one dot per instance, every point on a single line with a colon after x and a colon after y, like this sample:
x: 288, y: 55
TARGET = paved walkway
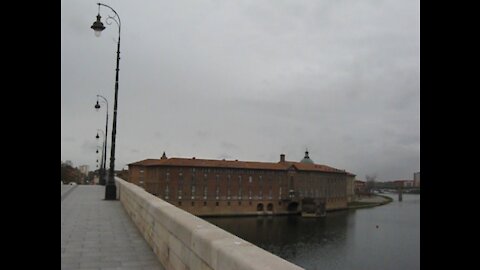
x: 98, y: 234
x: 66, y: 189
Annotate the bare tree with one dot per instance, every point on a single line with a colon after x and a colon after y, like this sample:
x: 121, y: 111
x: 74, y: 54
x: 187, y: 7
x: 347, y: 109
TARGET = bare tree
x: 370, y: 185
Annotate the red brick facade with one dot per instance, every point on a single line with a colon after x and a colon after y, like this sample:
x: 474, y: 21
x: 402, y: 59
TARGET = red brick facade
x: 220, y: 187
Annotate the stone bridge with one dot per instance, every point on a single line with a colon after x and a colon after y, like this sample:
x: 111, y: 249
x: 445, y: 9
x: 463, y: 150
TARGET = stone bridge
x: 141, y: 231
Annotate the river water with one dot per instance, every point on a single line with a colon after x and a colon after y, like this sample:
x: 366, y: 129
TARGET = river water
x: 348, y: 239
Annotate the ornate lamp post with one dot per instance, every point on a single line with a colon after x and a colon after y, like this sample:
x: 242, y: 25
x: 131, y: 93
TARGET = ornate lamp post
x: 104, y: 155
x: 110, y: 188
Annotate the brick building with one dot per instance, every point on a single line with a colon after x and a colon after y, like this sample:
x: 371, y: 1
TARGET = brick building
x: 350, y: 187
x: 403, y: 183
x: 360, y: 187
x: 230, y: 187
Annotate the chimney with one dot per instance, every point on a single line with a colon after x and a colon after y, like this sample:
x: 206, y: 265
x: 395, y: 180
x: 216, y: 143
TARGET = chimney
x: 282, y: 157
x: 164, y: 156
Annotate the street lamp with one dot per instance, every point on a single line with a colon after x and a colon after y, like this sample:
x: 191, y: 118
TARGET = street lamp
x: 104, y: 168
x: 104, y: 155
x: 110, y: 188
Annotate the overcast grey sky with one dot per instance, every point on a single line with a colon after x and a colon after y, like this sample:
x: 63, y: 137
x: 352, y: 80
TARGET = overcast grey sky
x: 247, y: 80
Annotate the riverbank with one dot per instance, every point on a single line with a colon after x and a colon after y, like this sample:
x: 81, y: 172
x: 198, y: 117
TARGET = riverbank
x: 369, y: 201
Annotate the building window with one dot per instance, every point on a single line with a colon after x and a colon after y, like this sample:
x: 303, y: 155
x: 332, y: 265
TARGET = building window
x: 228, y: 186
x: 193, y: 203
x: 205, y: 192
x: 250, y: 179
x: 193, y: 191
x: 179, y: 203
x: 228, y: 203
x: 205, y: 203
x: 216, y: 203
x: 167, y: 191
x: 180, y: 178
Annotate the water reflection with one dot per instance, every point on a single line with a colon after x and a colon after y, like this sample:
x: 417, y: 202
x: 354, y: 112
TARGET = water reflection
x: 386, y: 237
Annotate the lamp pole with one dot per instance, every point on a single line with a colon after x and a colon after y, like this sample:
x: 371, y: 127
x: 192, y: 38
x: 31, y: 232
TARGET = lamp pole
x: 104, y: 156
x: 103, y: 159
x: 110, y: 188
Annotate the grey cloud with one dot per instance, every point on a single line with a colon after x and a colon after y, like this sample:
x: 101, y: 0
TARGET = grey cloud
x: 228, y: 145
x: 249, y: 80
x: 69, y: 139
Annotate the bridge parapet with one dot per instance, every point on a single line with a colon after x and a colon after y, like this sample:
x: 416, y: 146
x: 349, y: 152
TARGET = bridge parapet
x: 183, y: 241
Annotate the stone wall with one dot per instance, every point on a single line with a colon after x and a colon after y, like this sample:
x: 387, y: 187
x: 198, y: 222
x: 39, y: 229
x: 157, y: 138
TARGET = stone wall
x: 183, y: 241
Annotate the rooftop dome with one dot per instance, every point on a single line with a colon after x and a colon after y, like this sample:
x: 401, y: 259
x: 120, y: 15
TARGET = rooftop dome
x: 306, y: 159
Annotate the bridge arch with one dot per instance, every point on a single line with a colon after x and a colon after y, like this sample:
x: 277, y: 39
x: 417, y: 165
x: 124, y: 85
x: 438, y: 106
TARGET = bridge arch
x: 292, y: 207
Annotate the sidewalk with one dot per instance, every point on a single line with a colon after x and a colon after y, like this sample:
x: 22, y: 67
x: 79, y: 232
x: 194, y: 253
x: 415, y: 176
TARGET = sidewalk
x: 98, y: 234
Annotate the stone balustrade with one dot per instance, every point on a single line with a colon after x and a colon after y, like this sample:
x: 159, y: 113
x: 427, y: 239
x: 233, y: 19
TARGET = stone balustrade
x: 183, y: 241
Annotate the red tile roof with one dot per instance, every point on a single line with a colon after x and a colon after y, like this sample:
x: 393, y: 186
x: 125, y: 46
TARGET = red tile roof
x: 212, y: 163
x: 145, y: 162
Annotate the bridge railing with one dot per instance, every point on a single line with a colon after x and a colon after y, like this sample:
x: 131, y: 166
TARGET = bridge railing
x: 183, y: 241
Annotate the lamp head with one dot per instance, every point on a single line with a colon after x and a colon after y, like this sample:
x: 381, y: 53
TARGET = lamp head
x: 97, y: 106
x: 97, y: 26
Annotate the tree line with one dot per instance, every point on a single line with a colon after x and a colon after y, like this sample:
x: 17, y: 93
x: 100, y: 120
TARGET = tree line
x: 71, y: 174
